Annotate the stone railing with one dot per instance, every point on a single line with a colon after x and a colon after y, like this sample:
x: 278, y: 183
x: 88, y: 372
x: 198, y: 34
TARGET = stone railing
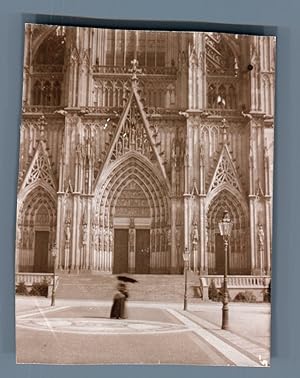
x: 236, y: 284
x: 223, y: 112
x: 40, y: 109
x: 46, y: 68
x: 243, y: 282
x: 97, y: 69
x: 31, y: 278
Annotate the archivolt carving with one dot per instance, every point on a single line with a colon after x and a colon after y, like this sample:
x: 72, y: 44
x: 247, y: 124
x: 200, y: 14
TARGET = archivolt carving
x: 38, y: 211
x: 151, y: 199
x: 133, y: 168
x: 239, y: 245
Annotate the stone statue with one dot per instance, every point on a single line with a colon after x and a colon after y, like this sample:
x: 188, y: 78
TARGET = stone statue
x: 84, y: 234
x: 169, y: 241
x: 152, y: 240
x: 261, y: 237
x: 25, y: 238
x: 131, y: 240
x: 178, y: 237
x: 105, y: 237
x: 95, y: 234
x: 19, y: 235
x: 67, y: 232
x: 195, y: 235
x: 100, y: 237
x: 110, y: 237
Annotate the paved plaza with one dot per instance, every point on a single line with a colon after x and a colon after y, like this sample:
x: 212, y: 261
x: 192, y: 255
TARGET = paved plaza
x: 80, y: 332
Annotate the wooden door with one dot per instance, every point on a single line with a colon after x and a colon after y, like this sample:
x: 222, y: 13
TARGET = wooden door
x: 41, y: 250
x: 120, y: 264
x: 142, y: 256
x: 220, y: 255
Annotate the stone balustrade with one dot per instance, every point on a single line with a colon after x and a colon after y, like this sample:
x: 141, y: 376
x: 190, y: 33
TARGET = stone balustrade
x: 236, y: 284
x: 31, y: 278
x: 97, y: 69
x: 244, y: 282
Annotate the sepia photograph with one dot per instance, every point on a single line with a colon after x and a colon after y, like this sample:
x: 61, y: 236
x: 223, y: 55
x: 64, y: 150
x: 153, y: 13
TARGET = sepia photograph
x: 144, y: 203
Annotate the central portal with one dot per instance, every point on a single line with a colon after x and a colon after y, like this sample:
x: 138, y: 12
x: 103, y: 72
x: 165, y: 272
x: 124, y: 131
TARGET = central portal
x: 131, y: 251
x: 120, y: 251
x: 133, y: 219
x: 142, y: 252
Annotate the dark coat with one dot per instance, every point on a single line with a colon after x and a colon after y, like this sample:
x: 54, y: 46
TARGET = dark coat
x: 118, y: 310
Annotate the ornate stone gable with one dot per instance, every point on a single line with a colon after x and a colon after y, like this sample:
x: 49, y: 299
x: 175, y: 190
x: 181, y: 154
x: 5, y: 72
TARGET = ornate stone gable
x: 135, y: 134
x: 40, y: 169
x: 225, y: 172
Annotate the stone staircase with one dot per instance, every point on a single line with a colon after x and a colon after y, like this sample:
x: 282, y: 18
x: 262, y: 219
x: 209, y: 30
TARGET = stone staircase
x: 102, y: 286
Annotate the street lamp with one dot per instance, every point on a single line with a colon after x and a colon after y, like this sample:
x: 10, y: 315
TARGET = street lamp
x: 54, y: 254
x: 225, y: 227
x: 186, y: 259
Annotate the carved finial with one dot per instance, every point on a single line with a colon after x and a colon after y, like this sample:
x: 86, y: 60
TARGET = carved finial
x: 201, y: 152
x: 236, y: 67
x: 69, y: 187
x: 266, y: 152
x: 135, y: 70
x: 224, y: 128
x: 221, y: 101
x: 131, y: 225
x: 195, y: 189
x: 95, y: 220
x: 68, y: 218
x: 184, y: 114
x: 41, y: 125
x: 84, y: 217
x: 195, y: 235
x: 259, y: 192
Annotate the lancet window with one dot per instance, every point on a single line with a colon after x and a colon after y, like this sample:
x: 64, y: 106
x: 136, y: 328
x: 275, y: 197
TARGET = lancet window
x: 222, y: 71
x: 122, y: 46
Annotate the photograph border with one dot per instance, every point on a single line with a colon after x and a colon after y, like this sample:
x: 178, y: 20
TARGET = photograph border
x: 286, y: 222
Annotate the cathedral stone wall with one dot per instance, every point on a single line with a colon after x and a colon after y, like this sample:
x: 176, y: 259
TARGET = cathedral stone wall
x: 133, y: 144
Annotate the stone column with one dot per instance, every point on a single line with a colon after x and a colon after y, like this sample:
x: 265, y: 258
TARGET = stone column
x: 59, y: 230
x: 88, y: 257
x: 27, y: 63
x: 261, y: 249
x: 203, y: 251
x: 268, y: 210
x: 252, y: 233
x: 172, y: 243
x: 75, y: 247
x: 131, y: 249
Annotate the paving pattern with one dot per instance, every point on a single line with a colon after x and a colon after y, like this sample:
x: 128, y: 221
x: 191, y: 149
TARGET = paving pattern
x: 98, y: 326
x: 152, y: 333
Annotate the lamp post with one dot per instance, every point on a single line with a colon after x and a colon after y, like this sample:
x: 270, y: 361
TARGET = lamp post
x: 54, y: 254
x: 186, y: 259
x: 225, y: 227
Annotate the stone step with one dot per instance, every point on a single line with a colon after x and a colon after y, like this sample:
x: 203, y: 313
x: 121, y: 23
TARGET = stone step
x: 103, y: 286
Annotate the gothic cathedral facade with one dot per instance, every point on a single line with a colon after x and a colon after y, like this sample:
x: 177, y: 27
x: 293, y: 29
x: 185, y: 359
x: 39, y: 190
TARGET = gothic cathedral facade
x: 132, y: 145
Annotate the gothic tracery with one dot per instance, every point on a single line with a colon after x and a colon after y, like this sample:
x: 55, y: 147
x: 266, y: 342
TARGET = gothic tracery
x: 122, y: 129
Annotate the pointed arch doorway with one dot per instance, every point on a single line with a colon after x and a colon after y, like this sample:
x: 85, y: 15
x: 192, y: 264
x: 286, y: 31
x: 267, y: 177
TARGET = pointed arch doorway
x: 132, y: 217
x: 133, y: 210
x: 239, y: 247
x: 37, y: 227
x: 132, y: 194
x: 131, y: 250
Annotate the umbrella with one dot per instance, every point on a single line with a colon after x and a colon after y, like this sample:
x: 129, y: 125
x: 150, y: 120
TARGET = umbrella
x: 126, y: 279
